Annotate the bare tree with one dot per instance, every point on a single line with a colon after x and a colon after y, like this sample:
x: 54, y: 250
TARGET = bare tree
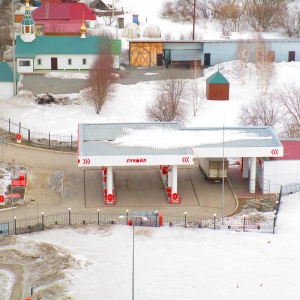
x: 263, y: 111
x: 243, y: 56
x: 263, y: 15
x: 265, y: 68
x: 169, y: 103
x: 290, y: 20
x: 197, y: 92
x: 289, y: 99
x: 101, y: 79
x: 5, y: 29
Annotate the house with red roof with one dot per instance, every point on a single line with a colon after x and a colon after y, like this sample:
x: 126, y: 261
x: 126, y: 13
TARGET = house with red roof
x: 59, y: 52
x: 62, y: 18
x: 273, y: 172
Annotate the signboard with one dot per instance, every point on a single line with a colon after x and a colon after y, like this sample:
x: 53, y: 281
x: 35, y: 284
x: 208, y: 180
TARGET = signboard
x: 19, y: 138
x: 145, y: 160
x: 2, y: 200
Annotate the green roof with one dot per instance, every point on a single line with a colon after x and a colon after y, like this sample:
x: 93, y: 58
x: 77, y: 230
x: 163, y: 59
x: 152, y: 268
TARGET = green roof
x: 7, y: 73
x: 27, y: 20
x: 64, y: 45
x: 217, y: 78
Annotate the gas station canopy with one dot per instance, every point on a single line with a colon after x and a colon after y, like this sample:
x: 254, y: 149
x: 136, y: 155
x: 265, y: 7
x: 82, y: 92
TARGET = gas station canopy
x: 170, y: 143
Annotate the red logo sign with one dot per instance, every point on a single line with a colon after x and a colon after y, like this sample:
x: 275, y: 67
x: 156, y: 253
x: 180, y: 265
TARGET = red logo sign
x: 175, y: 196
x: 86, y: 161
x: 2, y: 198
x: 136, y: 160
x: 274, y: 151
x: 78, y: 160
x: 186, y: 159
x: 19, y: 136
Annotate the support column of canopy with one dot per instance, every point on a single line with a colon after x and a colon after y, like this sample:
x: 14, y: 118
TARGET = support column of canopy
x: 174, y: 195
x: 245, y: 167
x: 108, y: 186
x: 252, y: 181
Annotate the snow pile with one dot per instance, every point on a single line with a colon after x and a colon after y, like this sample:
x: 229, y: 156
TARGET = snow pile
x: 67, y: 75
x: 43, y: 266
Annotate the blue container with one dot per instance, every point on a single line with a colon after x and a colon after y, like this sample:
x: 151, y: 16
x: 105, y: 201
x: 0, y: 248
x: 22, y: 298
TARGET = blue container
x: 135, y: 19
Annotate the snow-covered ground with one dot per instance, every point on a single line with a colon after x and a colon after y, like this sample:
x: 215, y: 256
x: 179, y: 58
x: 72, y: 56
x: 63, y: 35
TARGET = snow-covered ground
x: 129, y: 104
x: 170, y: 263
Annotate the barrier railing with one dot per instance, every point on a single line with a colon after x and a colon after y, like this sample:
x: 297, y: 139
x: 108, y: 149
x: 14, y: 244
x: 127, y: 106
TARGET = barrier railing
x: 249, y: 223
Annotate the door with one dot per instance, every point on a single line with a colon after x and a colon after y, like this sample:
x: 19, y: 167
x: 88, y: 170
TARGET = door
x: 159, y: 60
x: 292, y: 55
x: 206, y: 59
x: 168, y: 58
x: 53, y: 63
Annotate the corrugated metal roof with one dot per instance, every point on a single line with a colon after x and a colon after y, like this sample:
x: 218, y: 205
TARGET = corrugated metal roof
x: 7, y: 73
x: 96, y: 139
x: 99, y: 139
x: 217, y: 78
x: 59, y: 45
x: 63, y: 11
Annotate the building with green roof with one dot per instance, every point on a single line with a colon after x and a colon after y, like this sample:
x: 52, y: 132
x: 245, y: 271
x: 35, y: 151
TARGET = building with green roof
x: 217, y: 87
x: 62, y: 52
x: 7, y: 81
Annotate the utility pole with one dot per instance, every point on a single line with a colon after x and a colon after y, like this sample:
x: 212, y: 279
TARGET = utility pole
x: 194, y: 20
x: 13, y: 42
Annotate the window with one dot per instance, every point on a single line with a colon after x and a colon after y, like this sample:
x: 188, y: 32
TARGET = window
x: 69, y: 61
x: 27, y: 29
x: 84, y: 61
x: 39, y: 61
x: 24, y: 63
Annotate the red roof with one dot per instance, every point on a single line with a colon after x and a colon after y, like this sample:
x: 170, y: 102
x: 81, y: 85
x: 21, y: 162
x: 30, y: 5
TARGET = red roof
x: 291, y: 150
x: 62, y: 27
x: 63, y: 11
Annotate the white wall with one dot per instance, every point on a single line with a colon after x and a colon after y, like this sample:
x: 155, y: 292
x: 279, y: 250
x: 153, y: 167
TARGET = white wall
x: 25, y: 69
x: 6, y: 90
x: 62, y: 62
x: 281, y: 172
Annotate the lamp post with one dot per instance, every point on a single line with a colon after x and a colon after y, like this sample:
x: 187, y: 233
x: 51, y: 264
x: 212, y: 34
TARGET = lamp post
x: 132, y: 260
x: 223, y: 181
x: 215, y: 221
x: 43, y: 227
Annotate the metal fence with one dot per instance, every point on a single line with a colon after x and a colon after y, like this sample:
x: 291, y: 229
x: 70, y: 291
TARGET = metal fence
x: 284, y: 191
x: 42, y: 222
x: 38, y: 139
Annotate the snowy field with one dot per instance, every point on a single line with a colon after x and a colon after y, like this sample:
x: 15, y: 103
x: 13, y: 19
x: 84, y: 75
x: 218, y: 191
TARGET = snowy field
x: 169, y: 262
x: 90, y: 262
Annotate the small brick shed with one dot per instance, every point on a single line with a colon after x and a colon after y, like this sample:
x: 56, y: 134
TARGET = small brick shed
x: 217, y: 87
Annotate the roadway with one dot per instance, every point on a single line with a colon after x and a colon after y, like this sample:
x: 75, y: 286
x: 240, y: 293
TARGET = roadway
x: 56, y: 183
